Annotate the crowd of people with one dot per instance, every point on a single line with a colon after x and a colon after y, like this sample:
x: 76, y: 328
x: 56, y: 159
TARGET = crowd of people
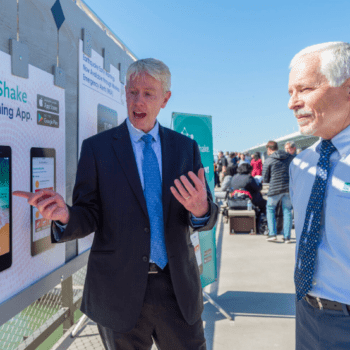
x: 243, y: 171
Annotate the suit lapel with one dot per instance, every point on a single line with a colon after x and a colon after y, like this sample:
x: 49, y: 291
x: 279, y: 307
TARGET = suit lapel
x: 125, y: 154
x: 167, y: 169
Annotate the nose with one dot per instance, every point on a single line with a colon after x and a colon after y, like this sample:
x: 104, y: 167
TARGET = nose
x: 294, y: 101
x: 138, y: 99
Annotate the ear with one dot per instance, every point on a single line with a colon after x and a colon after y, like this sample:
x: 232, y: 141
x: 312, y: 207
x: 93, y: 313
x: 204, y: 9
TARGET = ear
x: 346, y: 84
x: 166, y: 99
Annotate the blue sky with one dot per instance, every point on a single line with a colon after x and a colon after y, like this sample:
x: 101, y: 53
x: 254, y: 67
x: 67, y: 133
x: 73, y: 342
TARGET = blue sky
x: 228, y: 59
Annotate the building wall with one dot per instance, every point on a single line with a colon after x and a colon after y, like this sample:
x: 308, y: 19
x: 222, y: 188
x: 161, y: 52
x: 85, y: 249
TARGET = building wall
x: 37, y: 29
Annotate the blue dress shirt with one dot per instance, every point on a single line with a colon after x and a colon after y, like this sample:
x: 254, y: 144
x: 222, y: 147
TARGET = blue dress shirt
x: 138, y: 146
x: 332, y: 270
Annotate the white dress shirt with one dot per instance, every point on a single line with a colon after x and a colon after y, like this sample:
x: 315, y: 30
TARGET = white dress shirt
x: 332, y: 270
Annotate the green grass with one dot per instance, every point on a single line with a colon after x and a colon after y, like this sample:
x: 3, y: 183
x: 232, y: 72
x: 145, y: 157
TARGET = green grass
x: 27, y: 322
x: 55, y: 336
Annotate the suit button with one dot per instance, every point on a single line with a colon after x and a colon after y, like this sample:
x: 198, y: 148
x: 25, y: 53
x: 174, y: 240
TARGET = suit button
x: 145, y: 258
x: 146, y: 230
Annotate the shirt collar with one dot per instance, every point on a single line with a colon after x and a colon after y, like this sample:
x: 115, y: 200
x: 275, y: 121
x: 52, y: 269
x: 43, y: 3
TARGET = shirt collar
x: 136, y: 134
x: 340, y: 142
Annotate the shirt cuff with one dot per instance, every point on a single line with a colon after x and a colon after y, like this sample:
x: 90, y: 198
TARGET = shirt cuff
x: 57, y: 230
x: 199, y: 222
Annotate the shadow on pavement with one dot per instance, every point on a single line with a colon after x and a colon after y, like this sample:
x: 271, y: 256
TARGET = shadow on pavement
x: 211, y: 315
x: 258, y: 304
x: 247, y: 304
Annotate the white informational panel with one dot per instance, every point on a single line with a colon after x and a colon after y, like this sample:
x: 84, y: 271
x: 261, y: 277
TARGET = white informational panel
x: 102, y: 104
x: 32, y: 128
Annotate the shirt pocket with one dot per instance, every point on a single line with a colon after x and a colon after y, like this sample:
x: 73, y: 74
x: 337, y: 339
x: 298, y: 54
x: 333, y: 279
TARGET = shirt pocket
x: 337, y: 214
x: 343, y: 196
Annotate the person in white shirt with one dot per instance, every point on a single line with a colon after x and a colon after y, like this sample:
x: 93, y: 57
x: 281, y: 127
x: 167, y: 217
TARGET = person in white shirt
x: 319, y: 88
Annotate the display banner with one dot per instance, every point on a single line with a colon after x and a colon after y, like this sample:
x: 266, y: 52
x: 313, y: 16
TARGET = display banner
x: 199, y: 128
x: 32, y: 157
x: 102, y: 104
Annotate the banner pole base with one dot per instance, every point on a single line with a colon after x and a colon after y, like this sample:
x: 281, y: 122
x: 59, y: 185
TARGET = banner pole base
x: 79, y: 324
x: 211, y: 301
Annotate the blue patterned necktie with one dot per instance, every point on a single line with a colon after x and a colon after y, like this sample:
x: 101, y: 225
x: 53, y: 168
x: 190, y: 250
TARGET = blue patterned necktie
x: 153, y: 195
x: 310, y: 236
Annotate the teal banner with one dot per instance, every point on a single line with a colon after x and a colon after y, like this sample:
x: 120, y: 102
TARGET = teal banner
x: 199, y: 128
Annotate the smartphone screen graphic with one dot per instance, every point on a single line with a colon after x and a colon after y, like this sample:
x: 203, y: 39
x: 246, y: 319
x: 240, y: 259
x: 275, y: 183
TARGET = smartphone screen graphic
x: 5, y: 208
x: 43, y: 176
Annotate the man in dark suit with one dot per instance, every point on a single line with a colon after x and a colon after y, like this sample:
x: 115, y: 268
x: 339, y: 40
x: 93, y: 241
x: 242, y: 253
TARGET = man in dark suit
x: 137, y: 189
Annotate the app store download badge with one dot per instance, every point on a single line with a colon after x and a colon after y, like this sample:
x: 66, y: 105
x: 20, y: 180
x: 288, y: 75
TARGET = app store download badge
x: 45, y: 105
x: 48, y: 104
x: 48, y: 119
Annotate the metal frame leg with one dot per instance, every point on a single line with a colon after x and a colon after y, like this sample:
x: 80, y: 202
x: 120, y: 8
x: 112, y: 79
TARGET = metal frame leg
x: 79, y: 324
x: 211, y: 301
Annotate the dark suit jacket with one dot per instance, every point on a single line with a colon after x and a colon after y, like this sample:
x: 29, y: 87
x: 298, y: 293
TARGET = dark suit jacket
x: 108, y: 199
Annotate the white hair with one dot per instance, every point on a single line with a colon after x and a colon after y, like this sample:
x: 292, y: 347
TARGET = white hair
x: 335, y: 61
x: 155, y: 68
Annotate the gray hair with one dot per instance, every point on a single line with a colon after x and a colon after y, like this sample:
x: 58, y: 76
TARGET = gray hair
x: 291, y: 144
x: 155, y: 68
x: 335, y: 61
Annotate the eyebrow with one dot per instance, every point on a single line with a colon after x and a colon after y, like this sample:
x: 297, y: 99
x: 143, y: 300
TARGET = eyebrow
x: 299, y: 86
x: 147, y: 88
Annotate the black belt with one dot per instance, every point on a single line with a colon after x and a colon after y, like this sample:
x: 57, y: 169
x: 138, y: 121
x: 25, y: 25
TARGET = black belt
x: 321, y: 304
x: 154, y: 268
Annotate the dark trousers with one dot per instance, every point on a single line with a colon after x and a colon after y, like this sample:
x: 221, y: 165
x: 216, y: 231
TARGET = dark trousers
x: 160, y: 320
x: 321, y: 329
x: 279, y: 217
x: 216, y: 178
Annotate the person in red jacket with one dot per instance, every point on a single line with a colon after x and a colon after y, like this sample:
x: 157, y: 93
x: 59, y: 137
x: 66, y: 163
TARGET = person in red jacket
x: 256, y: 163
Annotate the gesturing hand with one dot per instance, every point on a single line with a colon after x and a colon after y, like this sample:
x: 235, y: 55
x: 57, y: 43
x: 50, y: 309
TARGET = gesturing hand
x: 194, y: 199
x: 50, y: 204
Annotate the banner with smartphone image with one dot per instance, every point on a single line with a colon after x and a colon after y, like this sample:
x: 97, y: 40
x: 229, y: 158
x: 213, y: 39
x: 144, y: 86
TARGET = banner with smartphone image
x: 102, y: 104
x: 32, y: 157
x: 199, y: 128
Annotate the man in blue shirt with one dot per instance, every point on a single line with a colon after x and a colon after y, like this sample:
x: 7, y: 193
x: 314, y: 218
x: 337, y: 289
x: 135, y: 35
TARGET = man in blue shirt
x: 319, y: 88
x: 141, y: 188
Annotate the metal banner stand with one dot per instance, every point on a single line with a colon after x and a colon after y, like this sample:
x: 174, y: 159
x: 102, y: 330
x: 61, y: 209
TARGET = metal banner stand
x: 79, y: 324
x: 211, y: 301
x: 206, y: 295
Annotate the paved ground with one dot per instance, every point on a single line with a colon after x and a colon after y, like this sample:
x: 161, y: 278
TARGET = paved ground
x: 255, y: 286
